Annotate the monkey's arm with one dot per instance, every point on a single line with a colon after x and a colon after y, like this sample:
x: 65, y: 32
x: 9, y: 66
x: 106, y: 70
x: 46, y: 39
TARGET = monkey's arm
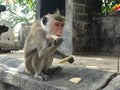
x: 50, y: 50
x: 42, y: 46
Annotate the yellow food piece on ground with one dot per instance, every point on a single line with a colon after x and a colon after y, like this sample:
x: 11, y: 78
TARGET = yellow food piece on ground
x: 75, y: 80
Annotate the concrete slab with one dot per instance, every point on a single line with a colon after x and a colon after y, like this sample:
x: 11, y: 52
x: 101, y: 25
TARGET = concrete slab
x: 114, y: 84
x: 91, y: 78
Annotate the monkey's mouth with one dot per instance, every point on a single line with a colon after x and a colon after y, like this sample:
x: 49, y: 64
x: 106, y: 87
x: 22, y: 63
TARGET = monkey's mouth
x: 58, y: 35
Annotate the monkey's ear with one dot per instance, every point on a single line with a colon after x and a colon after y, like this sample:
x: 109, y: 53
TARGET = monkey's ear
x: 44, y: 20
x: 57, y: 12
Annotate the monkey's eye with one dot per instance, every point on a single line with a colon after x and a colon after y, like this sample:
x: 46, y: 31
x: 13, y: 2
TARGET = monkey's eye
x: 45, y: 20
x: 56, y: 24
x: 62, y: 25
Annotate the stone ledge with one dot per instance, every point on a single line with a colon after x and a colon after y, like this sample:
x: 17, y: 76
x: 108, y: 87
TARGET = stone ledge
x: 91, y: 80
x: 25, y: 82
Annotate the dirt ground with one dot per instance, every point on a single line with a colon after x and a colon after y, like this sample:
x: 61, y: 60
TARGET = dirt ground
x: 106, y: 63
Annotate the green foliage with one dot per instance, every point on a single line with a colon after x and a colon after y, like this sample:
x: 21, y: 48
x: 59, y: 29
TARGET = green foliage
x: 30, y: 3
x: 18, y: 11
x: 108, y: 5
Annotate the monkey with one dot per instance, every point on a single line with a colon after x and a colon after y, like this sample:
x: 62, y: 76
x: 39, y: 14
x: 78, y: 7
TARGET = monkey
x: 39, y: 47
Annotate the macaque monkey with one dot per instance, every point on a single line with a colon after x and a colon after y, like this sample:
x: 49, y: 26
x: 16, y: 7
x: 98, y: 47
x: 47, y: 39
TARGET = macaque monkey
x: 40, y: 45
x: 42, y: 41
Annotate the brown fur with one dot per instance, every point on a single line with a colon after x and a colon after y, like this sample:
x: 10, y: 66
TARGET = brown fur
x: 38, y: 53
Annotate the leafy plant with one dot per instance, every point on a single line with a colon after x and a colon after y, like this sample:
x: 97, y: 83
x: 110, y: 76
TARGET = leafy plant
x: 108, y: 5
x: 18, y: 11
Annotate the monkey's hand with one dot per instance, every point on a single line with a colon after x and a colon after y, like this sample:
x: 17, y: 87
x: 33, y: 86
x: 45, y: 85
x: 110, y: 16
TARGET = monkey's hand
x: 58, y: 41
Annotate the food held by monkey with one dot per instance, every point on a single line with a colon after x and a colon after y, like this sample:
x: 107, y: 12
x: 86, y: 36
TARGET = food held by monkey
x: 42, y: 41
x: 67, y: 59
x: 54, y: 37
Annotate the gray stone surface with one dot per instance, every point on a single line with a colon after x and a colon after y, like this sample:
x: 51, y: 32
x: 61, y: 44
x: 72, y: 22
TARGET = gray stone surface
x: 114, y: 84
x: 106, y: 32
x: 91, y: 79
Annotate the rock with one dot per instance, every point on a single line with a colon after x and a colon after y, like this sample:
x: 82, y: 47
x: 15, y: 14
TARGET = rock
x: 91, y: 78
x: 114, y: 84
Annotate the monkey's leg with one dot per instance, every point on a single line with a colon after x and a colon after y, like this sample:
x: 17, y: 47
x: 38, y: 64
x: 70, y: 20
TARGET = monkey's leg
x: 50, y: 70
x: 38, y: 61
x: 48, y: 63
x: 28, y: 63
x: 37, y: 64
x: 41, y: 65
x: 39, y: 74
x: 50, y: 50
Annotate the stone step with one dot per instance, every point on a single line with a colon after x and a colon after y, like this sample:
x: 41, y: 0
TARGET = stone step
x: 91, y: 79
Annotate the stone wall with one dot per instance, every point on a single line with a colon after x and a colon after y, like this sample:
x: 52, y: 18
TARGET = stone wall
x: 78, y: 29
x: 82, y: 27
x: 106, y: 29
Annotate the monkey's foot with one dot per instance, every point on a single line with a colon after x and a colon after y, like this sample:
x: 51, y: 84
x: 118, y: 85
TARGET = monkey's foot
x: 53, y: 70
x: 43, y: 77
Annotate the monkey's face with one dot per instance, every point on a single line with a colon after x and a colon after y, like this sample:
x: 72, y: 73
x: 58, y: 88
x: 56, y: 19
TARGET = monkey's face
x: 53, y: 24
x: 57, y: 27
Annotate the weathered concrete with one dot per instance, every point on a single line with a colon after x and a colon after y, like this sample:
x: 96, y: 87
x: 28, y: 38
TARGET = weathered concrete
x: 114, y: 84
x: 91, y: 78
x: 106, y: 33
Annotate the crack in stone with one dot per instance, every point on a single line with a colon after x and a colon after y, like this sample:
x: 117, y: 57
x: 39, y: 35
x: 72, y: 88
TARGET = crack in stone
x: 108, y: 81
